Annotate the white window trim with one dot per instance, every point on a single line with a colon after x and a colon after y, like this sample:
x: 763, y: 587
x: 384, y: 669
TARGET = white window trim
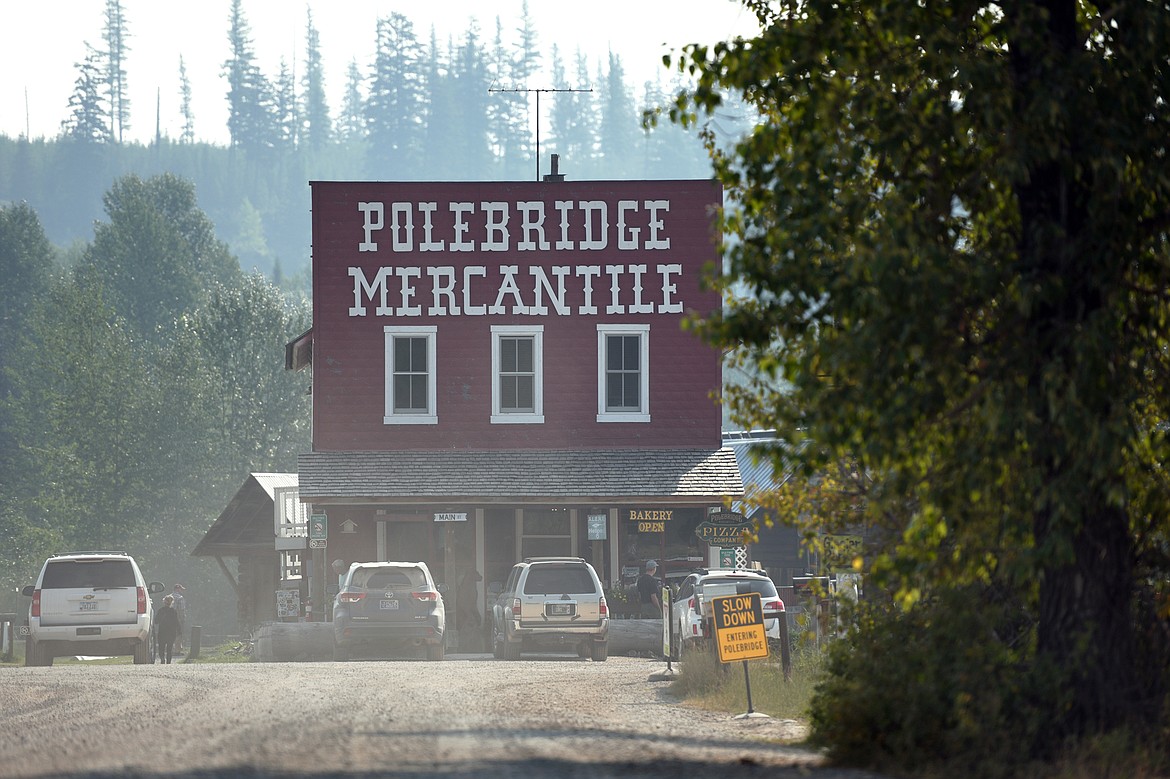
x: 432, y: 416
x: 643, y: 413
x: 536, y: 332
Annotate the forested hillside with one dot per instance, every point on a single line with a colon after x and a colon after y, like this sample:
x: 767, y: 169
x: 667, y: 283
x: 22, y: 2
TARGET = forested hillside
x: 421, y: 110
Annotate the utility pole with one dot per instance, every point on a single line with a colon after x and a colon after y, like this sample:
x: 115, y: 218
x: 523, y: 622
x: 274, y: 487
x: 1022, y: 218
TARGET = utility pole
x: 537, y: 91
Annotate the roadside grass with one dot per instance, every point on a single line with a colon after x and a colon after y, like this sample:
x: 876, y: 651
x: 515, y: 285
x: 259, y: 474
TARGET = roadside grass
x: 227, y: 652
x: 705, y: 682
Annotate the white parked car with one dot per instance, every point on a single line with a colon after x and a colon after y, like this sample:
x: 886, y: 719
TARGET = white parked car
x: 691, y: 608
x: 90, y: 603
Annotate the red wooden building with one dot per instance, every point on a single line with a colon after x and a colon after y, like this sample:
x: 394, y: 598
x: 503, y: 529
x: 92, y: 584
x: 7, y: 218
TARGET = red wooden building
x: 502, y: 370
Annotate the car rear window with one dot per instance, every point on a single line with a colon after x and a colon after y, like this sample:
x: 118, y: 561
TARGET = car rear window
x: 556, y: 579
x: 716, y: 587
x: 385, y: 578
x: 68, y: 574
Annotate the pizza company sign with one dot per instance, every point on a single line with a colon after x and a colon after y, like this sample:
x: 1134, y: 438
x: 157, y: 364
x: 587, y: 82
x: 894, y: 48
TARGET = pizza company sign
x: 723, y: 529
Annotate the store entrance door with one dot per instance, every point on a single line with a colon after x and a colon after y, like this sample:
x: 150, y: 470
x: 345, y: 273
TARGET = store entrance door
x: 408, y: 540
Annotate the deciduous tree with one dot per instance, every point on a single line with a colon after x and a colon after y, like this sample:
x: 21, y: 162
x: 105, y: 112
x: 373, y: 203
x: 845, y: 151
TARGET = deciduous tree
x: 952, y: 229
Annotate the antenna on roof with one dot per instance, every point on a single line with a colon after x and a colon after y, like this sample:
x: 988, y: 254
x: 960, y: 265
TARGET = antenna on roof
x: 538, y: 91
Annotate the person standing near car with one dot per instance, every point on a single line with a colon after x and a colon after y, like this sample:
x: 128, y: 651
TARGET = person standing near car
x: 166, y: 629
x: 180, y: 604
x: 648, y: 592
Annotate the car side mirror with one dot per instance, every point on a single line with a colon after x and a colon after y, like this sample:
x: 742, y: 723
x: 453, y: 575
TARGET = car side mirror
x: 155, y: 587
x: 442, y: 588
x: 28, y: 590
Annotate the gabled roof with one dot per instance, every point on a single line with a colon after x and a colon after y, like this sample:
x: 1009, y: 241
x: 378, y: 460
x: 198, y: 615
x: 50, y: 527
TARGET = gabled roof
x: 246, y: 525
x: 698, y: 477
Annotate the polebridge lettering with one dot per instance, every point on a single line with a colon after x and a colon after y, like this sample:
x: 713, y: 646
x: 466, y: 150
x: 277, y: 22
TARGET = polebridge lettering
x: 538, y: 225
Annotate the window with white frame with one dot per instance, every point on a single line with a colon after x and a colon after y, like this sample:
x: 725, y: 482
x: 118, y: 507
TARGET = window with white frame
x: 291, y: 566
x: 517, y: 374
x: 410, y: 376
x: 623, y: 373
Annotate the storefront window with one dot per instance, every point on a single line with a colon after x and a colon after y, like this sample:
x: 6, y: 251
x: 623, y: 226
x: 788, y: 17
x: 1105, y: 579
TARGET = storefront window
x: 547, y: 533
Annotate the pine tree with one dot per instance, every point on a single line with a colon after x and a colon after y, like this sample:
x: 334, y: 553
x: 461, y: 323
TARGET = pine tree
x: 394, y: 105
x: 351, y: 126
x: 250, y: 97
x: 285, y: 110
x: 440, y: 113
x: 88, y: 119
x: 188, y: 135
x: 471, y: 155
x: 621, y: 140
x: 572, y: 119
x: 318, y: 129
x: 115, y: 35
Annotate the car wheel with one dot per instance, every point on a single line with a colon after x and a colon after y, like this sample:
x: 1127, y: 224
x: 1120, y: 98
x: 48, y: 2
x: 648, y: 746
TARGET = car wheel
x: 142, y: 653
x: 497, y: 646
x: 341, y: 654
x: 435, y: 652
x: 583, y: 649
x: 511, y: 650
x: 599, y: 651
x: 30, y: 653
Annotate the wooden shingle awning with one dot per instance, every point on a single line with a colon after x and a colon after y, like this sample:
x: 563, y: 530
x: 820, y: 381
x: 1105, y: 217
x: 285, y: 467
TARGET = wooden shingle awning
x: 697, y: 477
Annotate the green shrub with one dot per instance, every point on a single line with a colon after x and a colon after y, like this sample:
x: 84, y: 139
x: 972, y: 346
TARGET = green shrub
x: 938, y: 687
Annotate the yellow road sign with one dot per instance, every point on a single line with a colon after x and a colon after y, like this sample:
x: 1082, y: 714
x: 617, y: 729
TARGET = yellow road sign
x: 739, y: 627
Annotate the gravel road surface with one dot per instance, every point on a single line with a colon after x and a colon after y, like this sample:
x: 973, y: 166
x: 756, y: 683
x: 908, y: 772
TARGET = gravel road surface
x: 464, y: 717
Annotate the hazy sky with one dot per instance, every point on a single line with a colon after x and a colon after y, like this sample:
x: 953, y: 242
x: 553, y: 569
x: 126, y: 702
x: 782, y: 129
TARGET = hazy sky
x: 41, y: 41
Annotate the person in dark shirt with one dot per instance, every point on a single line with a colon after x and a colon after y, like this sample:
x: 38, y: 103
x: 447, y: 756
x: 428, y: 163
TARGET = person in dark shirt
x: 648, y: 592
x: 166, y: 629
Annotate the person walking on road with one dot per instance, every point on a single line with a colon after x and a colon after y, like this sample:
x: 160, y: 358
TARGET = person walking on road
x: 181, y: 611
x: 166, y: 629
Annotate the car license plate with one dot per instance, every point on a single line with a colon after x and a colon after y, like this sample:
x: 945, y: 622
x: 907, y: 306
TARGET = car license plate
x: 559, y: 609
x: 388, y: 605
x: 89, y: 605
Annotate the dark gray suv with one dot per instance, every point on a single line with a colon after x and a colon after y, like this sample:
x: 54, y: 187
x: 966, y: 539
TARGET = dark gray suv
x: 386, y: 607
x: 551, y: 603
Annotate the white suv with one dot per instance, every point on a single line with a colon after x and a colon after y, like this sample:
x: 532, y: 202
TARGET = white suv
x: 90, y: 603
x: 551, y: 602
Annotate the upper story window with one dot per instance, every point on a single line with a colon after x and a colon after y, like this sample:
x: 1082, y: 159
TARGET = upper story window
x: 410, y: 376
x: 517, y: 374
x: 623, y: 373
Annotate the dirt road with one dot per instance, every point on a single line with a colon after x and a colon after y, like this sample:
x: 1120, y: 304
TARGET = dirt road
x: 555, y: 717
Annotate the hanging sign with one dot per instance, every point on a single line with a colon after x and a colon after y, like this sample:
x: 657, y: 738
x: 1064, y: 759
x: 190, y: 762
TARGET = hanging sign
x: 724, y: 528
x: 451, y: 516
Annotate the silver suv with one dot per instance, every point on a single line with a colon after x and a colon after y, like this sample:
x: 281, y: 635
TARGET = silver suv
x: 90, y: 603
x: 551, y: 602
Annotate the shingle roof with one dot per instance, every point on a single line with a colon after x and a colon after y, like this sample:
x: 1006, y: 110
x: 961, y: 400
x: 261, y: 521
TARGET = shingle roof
x: 246, y: 524
x: 696, y: 476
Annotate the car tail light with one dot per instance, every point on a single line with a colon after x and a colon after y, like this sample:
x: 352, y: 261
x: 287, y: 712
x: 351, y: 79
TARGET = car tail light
x: 602, y: 608
x: 693, y: 603
x: 351, y: 597
x: 36, y: 604
x: 141, y: 600
x: 774, y: 605
x: 425, y: 596
x: 516, y: 608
